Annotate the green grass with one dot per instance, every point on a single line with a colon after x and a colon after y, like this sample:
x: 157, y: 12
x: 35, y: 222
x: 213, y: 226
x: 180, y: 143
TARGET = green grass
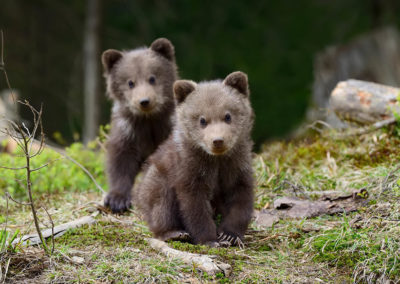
x: 362, y: 246
x: 61, y: 175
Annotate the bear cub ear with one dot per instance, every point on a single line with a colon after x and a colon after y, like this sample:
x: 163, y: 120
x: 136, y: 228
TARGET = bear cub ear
x: 182, y: 88
x: 164, y: 47
x: 238, y: 80
x: 109, y: 58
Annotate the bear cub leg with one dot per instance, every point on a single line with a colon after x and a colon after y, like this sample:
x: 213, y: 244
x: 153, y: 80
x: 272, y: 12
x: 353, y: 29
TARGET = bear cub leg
x: 122, y: 167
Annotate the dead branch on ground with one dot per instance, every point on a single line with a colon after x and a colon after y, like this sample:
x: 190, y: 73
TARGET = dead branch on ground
x: 54, y: 232
x: 202, y: 262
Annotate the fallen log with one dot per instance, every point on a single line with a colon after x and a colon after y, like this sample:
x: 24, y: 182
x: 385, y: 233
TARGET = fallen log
x: 201, y: 261
x: 364, y: 102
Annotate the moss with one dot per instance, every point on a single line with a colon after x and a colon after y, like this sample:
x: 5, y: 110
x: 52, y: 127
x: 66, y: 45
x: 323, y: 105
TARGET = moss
x: 331, y: 248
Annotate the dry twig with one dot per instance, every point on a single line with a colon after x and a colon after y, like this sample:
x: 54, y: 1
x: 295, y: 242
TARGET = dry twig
x: 55, y: 231
x: 24, y: 138
x: 203, y: 262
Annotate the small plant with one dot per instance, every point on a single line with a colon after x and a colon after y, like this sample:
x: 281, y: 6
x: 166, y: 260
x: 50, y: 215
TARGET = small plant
x: 30, y: 148
x: 6, y: 240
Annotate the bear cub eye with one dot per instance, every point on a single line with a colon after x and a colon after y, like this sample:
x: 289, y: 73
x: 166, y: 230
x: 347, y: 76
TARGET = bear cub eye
x: 152, y: 80
x: 131, y: 84
x: 203, y: 122
x: 228, y: 118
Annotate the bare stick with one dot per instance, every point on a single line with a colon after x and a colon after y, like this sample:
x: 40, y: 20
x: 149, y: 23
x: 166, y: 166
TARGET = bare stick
x: 365, y: 130
x: 55, y: 232
x: 16, y: 201
x: 14, y: 169
x: 29, y: 187
x: 22, y: 133
x: 45, y: 165
x: 65, y: 155
x: 201, y: 261
x: 52, y: 229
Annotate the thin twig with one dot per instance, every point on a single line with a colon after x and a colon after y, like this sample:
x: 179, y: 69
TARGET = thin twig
x: 16, y: 201
x: 366, y: 130
x: 52, y: 230
x: 29, y: 187
x: 315, y: 123
x: 45, y: 165
x: 14, y: 169
x: 23, y: 137
x: 65, y: 155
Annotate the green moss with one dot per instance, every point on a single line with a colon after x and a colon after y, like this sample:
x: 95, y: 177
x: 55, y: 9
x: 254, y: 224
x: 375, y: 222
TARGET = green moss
x: 365, y: 242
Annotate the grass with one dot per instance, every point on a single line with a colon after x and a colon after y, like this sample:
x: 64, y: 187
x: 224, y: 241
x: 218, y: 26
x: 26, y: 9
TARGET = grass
x: 362, y: 246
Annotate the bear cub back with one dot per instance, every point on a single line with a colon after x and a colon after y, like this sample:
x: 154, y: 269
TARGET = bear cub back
x: 204, y: 168
x: 139, y: 82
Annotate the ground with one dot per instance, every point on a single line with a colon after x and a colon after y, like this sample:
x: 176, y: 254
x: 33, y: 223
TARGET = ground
x: 362, y: 246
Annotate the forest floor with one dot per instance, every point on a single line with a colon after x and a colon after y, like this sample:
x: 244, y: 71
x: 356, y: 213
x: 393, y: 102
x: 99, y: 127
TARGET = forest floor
x: 361, y: 246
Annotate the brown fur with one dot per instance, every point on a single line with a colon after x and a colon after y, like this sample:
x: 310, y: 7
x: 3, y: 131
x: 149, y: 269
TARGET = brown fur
x: 190, y: 179
x: 136, y: 129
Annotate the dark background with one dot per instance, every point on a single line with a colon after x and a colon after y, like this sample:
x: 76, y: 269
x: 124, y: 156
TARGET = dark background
x: 275, y: 42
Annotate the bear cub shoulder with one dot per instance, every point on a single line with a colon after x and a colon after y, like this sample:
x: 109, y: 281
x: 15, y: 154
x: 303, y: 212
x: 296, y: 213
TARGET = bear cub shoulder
x: 139, y: 83
x: 203, y: 170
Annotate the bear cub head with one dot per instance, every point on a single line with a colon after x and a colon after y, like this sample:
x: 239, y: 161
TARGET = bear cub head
x: 140, y: 81
x: 214, y: 116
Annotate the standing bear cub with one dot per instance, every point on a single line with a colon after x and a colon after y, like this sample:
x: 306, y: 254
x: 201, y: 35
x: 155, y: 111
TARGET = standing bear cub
x: 140, y: 84
x: 204, y: 168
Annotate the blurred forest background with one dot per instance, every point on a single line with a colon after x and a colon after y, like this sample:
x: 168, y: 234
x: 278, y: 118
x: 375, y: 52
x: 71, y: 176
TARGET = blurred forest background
x: 50, y: 44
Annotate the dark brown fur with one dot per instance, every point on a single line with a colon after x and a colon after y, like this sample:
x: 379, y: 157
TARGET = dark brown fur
x: 136, y: 131
x: 188, y: 181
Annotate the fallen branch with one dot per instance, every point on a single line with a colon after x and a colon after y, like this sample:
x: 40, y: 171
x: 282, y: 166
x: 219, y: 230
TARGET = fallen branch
x: 56, y: 232
x: 203, y: 262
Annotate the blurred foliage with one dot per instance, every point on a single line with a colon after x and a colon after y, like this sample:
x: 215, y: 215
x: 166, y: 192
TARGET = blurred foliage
x: 61, y: 174
x: 273, y: 41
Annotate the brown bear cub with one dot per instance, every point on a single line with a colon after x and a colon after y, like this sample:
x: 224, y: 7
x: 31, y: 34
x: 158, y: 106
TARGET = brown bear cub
x: 204, y: 168
x: 140, y: 84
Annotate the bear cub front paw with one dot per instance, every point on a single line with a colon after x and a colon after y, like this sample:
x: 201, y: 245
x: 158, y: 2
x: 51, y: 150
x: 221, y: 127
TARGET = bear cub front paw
x: 118, y: 202
x: 227, y: 239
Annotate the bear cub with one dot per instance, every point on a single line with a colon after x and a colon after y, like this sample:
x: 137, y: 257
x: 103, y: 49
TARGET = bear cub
x: 203, y: 170
x: 139, y: 82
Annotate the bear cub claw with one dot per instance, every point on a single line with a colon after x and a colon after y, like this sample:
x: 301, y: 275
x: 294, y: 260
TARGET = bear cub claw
x: 175, y: 236
x: 117, y: 202
x: 227, y: 240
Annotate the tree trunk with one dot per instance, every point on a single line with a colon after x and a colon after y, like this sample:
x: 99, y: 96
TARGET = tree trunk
x: 364, y: 102
x: 91, y: 58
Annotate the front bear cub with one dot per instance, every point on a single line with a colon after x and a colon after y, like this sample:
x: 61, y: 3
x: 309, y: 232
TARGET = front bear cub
x: 140, y: 84
x: 204, y: 168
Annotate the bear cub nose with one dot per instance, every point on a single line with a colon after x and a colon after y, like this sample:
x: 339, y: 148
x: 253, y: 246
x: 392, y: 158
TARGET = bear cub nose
x: 144, y: 102
x: 218, y: 142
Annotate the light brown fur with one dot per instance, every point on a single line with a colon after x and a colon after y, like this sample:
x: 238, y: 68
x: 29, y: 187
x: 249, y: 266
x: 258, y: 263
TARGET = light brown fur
x: 204, y: 168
